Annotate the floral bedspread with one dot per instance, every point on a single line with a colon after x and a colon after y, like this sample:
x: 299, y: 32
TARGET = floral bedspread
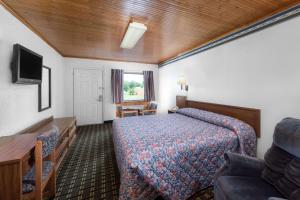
x: 175, y: 155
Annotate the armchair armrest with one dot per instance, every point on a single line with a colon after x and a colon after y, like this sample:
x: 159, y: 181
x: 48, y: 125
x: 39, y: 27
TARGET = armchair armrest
x: 241, y: 165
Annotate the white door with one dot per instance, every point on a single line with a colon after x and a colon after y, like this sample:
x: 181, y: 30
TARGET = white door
x: 88, y: 96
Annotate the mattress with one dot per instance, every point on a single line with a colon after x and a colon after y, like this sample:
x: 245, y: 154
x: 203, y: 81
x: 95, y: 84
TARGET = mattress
x: 176, y: 155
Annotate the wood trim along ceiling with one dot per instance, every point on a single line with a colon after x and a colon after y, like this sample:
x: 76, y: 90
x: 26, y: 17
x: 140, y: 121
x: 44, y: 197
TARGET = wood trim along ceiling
x: 261, y: 24
x: 106, y: 59
x: 176, y: 29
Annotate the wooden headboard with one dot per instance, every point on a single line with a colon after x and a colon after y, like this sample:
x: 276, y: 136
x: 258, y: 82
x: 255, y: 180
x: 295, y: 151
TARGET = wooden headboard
x: 249, y: 115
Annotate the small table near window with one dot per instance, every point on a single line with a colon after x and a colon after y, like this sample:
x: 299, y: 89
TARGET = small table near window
x: 130, y: 112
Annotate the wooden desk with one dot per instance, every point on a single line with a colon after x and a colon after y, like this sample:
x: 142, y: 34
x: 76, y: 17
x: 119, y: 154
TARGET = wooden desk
x: 17, y: 150
x: 13, y: 151
x: 14, y: 148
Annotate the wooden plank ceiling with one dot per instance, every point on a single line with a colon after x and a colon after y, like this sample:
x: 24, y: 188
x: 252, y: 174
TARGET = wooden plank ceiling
x: 94, y: 28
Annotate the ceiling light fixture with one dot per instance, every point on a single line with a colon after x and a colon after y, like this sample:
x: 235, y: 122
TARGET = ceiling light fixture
x: 134, y: 32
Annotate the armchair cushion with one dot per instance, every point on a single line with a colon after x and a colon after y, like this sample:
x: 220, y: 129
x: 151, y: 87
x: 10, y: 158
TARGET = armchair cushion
x: 241, y: 165
x: 287, y: 136
x: 29, y: 177
x: 246, y: 188
x: 152, y: 106
x: 295, y: 195
x: 282, y: 170
x: 27, y: 187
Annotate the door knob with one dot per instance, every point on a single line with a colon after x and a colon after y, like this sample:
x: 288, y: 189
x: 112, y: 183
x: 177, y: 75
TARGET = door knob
x: 100, y: 98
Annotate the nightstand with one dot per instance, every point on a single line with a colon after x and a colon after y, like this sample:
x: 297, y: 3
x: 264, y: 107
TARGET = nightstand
x: 171, y: 111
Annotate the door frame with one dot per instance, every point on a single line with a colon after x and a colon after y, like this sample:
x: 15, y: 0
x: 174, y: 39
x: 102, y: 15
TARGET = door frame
x: 73, y: 91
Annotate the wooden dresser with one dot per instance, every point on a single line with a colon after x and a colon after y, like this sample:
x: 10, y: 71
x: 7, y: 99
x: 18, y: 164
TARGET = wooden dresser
x: 16, y: 153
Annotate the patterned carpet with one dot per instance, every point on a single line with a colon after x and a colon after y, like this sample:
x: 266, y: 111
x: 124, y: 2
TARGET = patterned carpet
x: 90, y: 171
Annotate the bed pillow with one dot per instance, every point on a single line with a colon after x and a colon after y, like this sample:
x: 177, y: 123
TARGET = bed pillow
x: 244, y: 132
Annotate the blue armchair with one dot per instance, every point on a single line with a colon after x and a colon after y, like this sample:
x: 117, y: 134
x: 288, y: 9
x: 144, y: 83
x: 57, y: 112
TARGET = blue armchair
x: 150, y: 109
x: 274, y: 178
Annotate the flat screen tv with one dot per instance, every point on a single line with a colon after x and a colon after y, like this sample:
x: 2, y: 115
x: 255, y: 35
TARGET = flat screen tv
x: 26, y: 66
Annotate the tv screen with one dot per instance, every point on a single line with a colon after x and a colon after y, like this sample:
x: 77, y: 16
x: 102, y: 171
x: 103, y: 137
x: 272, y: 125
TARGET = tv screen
x: 26, y: 66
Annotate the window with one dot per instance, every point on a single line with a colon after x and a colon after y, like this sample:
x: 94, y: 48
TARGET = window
x: 133, y: 87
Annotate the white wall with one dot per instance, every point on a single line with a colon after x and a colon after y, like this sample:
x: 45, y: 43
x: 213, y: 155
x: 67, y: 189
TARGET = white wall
x: 261, y: 70
x: 19, y: 103
x: 105, y: 66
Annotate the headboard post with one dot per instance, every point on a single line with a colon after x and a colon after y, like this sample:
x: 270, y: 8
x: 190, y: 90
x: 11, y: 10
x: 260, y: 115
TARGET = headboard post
x: 181, y: 101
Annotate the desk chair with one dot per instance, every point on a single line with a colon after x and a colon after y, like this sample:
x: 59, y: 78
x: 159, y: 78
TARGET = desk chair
x: 43, y: 172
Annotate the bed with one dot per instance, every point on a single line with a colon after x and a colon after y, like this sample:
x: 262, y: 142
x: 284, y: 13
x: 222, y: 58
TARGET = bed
x: 176, y: 155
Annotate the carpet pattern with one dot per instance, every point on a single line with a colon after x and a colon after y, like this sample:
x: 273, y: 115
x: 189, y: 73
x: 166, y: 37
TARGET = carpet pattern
x: 90, y: 171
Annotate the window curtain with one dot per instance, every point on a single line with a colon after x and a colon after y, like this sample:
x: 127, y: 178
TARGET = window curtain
x: 149, y: 93
x: 117, y: 85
